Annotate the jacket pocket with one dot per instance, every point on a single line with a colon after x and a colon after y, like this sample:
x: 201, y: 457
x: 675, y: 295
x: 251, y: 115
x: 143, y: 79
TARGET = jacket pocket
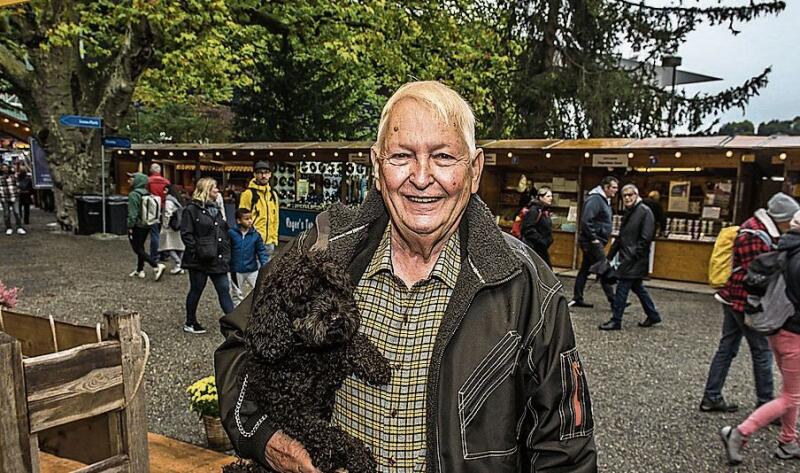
x: 206, y: 248
x: 483, y: 399
x: 575, y: 408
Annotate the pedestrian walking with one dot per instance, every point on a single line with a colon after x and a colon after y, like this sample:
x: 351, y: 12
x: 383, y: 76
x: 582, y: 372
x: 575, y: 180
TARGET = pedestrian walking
x: 170, y: 241
x: 594, y: 233
x: 156, y: 184
x: 785, y: 345
x: 208, y: 251
x: 263, y: 203
x: 537, y: 227
x: 248, y: 253
x: 757, y: 235
x: 25, y: 185
x: 9, y: 195
x: 630, y: 258
x: 138, y: 228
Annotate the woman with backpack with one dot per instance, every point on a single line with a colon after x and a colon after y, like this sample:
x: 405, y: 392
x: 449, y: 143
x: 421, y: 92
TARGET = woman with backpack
x: 138, y: 228
x: 785, y: 345
x: 208, y: 251
x: 170, y: 238
x: 537, y: 227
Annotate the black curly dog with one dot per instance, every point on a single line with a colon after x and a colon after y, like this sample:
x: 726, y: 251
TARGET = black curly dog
x: 303, y: 342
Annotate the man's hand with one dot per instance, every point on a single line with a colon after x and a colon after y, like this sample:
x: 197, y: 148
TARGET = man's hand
x: 287, y: 455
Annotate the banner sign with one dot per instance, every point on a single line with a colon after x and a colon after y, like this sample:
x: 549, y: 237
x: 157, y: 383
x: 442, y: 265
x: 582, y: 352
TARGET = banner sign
x: 116, y: 142
x: 295, y: 222
x: 81, y: 122
x: 40, y: 171
x: 609, y: 160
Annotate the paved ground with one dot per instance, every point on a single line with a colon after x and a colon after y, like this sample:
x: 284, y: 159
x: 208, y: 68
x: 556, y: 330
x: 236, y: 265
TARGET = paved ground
x: 646, y: 383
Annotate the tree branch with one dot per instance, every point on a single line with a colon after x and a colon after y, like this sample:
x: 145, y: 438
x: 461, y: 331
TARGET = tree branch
x: 14, y: 70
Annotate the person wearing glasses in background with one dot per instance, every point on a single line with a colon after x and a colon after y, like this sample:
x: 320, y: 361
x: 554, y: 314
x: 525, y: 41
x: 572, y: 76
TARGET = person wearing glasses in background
x: 630, y: 256
x: 537, y: 228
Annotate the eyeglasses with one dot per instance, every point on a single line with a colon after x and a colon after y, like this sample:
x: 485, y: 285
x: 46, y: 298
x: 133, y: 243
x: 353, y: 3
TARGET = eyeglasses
x: 628, y: 194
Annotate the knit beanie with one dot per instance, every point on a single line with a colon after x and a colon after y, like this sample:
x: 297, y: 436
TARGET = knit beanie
x: 782, y: 207
x: 795, y: 223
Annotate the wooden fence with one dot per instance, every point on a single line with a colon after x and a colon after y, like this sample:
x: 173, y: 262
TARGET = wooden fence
x: 76, y: 392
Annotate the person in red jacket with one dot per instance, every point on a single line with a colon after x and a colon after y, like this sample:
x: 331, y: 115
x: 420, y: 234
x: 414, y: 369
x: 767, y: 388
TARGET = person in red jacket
x: 156, y: 184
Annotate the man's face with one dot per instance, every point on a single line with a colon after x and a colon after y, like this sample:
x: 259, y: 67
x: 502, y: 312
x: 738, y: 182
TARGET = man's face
x: 5, y: 169
x: 611, y: 189
x: 629, y: 198
x: 426, y: 174
x: 262, y: 176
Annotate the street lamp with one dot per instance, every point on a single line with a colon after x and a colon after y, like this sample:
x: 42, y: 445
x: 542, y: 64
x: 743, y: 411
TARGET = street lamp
x: 671, y: 62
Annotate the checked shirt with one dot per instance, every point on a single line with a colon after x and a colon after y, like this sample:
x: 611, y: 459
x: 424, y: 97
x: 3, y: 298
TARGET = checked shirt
x: 402, y: 322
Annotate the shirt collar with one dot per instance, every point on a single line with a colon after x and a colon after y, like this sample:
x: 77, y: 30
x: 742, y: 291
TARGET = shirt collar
x: 446, y: 268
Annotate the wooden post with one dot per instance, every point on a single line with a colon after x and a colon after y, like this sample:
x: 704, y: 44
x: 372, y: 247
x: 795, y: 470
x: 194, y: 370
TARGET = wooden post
x: 126, y: 327
x: 15, y: 444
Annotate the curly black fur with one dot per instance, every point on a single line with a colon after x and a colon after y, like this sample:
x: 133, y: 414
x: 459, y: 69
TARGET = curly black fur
x: 303, y: 342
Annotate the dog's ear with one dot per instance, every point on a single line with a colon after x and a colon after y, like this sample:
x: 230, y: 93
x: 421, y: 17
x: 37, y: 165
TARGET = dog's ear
x: 270, y: 336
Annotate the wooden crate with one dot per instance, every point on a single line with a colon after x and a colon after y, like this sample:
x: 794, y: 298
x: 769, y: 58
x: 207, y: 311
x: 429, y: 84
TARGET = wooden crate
x: 75, y: 392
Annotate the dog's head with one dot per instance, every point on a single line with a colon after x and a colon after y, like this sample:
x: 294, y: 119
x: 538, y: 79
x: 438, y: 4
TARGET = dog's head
x: 307, y: 299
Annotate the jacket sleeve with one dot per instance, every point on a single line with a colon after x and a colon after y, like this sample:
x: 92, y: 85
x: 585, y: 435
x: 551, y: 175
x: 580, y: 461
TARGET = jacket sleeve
x: 646, y: 234
x: 134, y: 207
x: 558, y: 425
x: 590, y: 210
x: 249, y: 434
x: 261, y: 250
x: 529, y: 230
x: 187, y: 231
x: 245, y: 199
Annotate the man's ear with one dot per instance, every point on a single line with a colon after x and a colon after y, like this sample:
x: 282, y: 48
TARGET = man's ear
x: 376, y: 170
x: 476, y: 170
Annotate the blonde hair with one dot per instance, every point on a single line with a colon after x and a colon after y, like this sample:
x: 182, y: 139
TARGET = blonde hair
x: 444, y: 101
x: 203, y: 188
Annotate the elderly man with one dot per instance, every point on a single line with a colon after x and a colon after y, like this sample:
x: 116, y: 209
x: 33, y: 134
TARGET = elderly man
x: 630, y: 255
x: 486, y: 375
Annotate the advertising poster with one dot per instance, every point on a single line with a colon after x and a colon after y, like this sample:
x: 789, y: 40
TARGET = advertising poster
x: 40, y: 171
x: 678, y: 196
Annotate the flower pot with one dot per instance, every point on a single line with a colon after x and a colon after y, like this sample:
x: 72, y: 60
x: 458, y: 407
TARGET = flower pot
x: 215, y: 434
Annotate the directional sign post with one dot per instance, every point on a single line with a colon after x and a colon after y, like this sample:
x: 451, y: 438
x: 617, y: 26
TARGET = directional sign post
x: 92, y: 122
x: 116, y: 142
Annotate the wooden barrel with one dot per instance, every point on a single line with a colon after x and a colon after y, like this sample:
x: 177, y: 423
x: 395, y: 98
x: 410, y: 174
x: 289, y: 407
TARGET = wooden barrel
x: 217, y: 438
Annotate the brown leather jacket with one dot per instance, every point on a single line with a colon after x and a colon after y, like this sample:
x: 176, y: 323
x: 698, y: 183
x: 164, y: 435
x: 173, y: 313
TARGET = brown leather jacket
x: 506, y: 388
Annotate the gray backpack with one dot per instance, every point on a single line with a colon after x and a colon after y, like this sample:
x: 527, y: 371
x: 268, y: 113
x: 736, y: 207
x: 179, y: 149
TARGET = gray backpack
x: 768, y: 306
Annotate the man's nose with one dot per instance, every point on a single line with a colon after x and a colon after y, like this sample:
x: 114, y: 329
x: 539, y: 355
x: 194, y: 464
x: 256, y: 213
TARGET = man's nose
x: 421, y: 175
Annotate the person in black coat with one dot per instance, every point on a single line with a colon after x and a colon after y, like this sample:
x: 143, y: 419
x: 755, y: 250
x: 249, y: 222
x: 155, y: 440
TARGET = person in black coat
x: 537, y: 228
x: 653, y: 201
x: 630, y: 256
x: 208, y: 251
x: 25, y: 186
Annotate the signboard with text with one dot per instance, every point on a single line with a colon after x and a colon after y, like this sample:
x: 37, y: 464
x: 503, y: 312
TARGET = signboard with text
x: 81, y: 122
x: 600, y: 160
x: 294, y: 221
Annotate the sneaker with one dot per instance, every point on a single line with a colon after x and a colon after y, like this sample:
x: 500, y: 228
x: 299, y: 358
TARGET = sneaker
x: 610, y: 325
x: 176, y: 270
x: 21, y: 231
x: 787, y: 451
x: 719, y: 405
x: 734, y: 443
x: 9, y: 232
x: 196, y: 328
x: 580, y: 303
x: 718, y: 297
x: 139, y: 274
x: 158, y: 271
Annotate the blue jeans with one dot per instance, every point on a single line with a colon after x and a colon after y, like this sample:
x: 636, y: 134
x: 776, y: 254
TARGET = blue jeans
x: 155, y: 231
x: 624, y: 286
x: 733, y: 329
x: 197, y: 283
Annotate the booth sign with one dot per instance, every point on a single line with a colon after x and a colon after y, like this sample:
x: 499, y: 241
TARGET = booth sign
x: 295, y: 222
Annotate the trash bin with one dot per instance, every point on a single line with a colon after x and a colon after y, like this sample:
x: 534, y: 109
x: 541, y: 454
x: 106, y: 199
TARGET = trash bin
x: 117, y: 214
x: 90, y: 214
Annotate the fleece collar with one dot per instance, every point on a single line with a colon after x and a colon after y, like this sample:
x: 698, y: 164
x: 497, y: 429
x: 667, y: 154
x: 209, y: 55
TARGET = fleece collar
x: 483, y: 246
x: 767, y: 221
x: 599, y: 191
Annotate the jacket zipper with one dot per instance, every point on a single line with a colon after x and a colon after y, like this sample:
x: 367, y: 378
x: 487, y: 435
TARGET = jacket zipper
x: 576, y: 402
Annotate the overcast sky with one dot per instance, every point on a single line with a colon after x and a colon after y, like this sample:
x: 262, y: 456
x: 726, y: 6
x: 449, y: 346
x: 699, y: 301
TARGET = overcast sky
x: 767, y: 41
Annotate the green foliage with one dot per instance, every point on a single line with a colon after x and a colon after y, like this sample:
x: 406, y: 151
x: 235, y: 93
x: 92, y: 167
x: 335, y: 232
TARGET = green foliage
x: 780, y: 127
x: 744, y: 127
x: 178, y: 123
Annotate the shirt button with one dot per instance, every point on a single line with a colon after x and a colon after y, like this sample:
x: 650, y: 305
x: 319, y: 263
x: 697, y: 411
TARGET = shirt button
x: 392, y: 461
x: 220, y: 256
x: 393, y: 413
